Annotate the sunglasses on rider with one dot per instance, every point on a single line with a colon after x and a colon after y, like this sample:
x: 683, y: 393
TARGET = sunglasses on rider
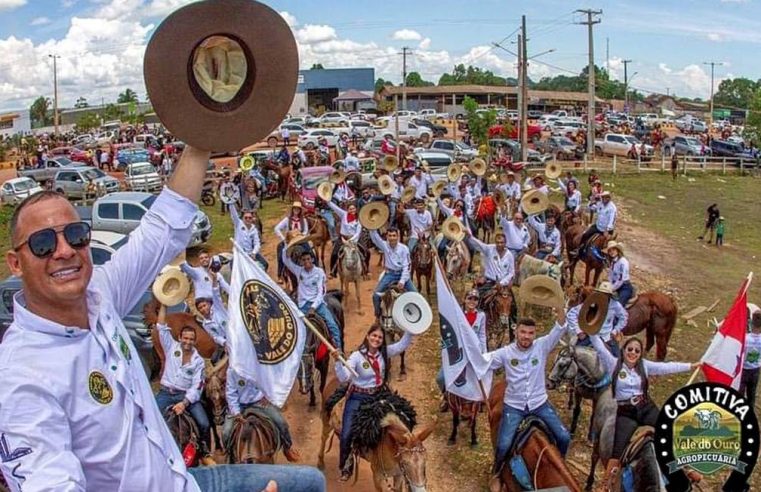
x: 635, y: 350
x: 44, y: 242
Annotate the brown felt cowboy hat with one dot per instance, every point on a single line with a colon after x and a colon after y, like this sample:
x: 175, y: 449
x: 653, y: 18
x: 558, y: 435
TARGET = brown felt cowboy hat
x: 171, y: 287
x: 438, y: 187
x: 553, y: 170
x: 534, y: 202
x: 386, y: 184
x: 593, y: 312
x: 390, y: 163
x: 477, y: 166
x: 325, y: 190
x: 453, y: 229
x: 221, y: 74
x: 542, y: 290
x: 374, y: 215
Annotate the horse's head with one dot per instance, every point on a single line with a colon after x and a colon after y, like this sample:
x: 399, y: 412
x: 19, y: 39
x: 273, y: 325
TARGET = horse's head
x: 215, y: 390
x: 410, y: 453
x: 351, y: 258
x: 564, y: 369
x: 306, y: 373
x: 424, y: 252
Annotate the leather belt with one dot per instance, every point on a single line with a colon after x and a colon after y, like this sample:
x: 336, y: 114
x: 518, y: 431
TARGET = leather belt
x: 365, y: 391
x: 634, y: 401
x: 172, y: 391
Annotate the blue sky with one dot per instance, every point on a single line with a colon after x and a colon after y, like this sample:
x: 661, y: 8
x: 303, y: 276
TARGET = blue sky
x: 101, y: 41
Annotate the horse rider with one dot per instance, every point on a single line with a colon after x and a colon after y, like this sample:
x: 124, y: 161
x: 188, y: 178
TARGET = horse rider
x: 350, y: 230
x: 499, y: 266
x: 616, y: 318
x: 572, y: 195
x: 342, y: 193
x: 368, y: 196
x: 294, y: 223
x: 524, y: 362
x: 421, y: 224
x: 510, y: 188
x: 395, y: 197
x: 183, y: 378
x: 477, y: 320
x: 595, y: 195
x: 396, y: 264
x: 605, y: 223
x: 548, y: 237
x: 311, y: 292
x: 618, y: 273
x: 516, y: 233
x: 388, y: 147
x: 351, y: 163
x: 539, y: 184
x: 214, y: 319
x: 201, y: 276
x: 247, y: 235
x: 371, y: 363
x: 421, y: 182
x: 241, y: 394
x: 630, y: 375
x: 458, y: 210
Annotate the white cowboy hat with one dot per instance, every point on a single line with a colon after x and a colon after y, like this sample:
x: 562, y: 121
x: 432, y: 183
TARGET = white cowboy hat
x: 605, y: 288
x: 171, y: 287
x: 412, y: 313
x: 616, y: 245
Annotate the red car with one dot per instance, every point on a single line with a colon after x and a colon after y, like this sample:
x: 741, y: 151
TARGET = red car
x: 309, y: 179
x: 534, y: 132
x: 74, y: 153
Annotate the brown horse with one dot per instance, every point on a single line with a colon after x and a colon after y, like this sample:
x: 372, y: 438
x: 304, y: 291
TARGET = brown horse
x: 400, y: 457
x: 319, y: 235
x: 542, y: 458
x: 254, y: 439
x: 572, y: 241
x: 422, y: 264
x: 466, y: 409
x: 283, y: 172
x: 497, y: 305
x: 390, y: 330
x: 214, y: 393
x: 656, y: 313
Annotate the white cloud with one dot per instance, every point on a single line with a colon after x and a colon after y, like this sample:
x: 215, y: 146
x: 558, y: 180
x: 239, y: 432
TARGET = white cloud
x: 406, y: 35
x: 11, y: 4
x: 68, y: 3
x: 290, y: 19
x: 664, y: 68
x: 714, y: 36
x: 314, y: 34
x: 424, y: 44
x: 39, y: 21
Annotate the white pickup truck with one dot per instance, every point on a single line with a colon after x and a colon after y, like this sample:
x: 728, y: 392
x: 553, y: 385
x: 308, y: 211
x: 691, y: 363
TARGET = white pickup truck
x: 408, y: 131
x: 621, y: 145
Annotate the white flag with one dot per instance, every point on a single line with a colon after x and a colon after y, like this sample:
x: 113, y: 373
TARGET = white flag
x: 461, y: 357
x: 266, y: 332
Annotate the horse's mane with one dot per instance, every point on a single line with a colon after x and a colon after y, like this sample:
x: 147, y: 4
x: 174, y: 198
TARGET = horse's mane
x: 333, y: 399
x: 373, y: 416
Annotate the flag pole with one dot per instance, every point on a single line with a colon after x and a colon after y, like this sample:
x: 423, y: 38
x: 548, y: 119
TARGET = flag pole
x: 309, y: 325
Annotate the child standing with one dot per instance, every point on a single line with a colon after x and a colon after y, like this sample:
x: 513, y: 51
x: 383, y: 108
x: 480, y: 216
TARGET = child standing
x: 749, y: 378
x: 720, y: 232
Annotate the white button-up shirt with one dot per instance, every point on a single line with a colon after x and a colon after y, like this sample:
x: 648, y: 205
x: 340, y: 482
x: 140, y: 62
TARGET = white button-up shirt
x: 500, y: 269
x: 479, y: 326
x: 606, y: 216
x: 419, y: 222
x: 351, y: 164
x: 524, y: 369
x: 615, y: 320
x: 396, y: 193
x: 396, y: 259
x: 546, y: 239
x: 352, y: 229
x: 76, y: 408
x: 572, y: 201
x: 202, y: 284
x: 517, y: 237
x: 448, y: 212
x: 187, y: 377
x: 246, y: 237
x: 421, y: 184
x: 628, y: 380
x: 752, y: 351
x: 285, y: 225
x: 511, y: 190
x: 312, y: 282
x: 240, y: 391
x: 619, y: 272
x: 360, y: 362
x: 216, y: 324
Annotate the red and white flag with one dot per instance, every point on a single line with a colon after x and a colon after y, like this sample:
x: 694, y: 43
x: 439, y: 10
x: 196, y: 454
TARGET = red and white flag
x: 723, y: 361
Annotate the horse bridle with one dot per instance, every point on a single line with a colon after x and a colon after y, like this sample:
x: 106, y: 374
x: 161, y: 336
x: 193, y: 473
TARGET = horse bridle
x: 417, y: 449
x: 586, y: 380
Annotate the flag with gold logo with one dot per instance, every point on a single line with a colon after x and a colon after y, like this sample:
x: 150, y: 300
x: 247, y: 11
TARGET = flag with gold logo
x: 266, y: 333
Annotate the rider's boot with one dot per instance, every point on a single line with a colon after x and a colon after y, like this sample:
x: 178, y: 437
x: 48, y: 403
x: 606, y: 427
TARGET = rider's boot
x: 292, y: 455
x: 612, y: 480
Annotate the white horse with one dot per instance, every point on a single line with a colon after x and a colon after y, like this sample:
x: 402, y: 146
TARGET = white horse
x: 350, y: 269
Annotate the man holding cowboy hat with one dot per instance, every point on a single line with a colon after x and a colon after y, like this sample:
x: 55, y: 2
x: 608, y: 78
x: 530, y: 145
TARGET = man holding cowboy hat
x: 606, y: 219
x: 202, y: 275
x: 509, y: 187
x: 421, y: 182
x: 396, y: 263
x: 421, y: 223
x: 247, y: 235
x: 548, y: 237
x: 615, y: 321
x: 618, y: 272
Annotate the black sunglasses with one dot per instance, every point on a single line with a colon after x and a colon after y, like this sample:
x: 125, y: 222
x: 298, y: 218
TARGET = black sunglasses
x: 44, y: 242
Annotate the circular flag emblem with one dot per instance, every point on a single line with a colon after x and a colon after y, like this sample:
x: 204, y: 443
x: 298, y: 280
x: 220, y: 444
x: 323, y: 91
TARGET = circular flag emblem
x: 269, y: 322
x: 176, y: 353
x: 99, y: 388
x: 534, y: 362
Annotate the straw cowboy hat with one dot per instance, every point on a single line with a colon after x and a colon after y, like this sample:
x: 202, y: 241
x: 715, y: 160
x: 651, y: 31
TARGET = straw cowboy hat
x: 297, y: 204
x: 605, y: 193
x: 408, y: 193
x: 390, y: 163
x: 593, y: 312
x: 171, y: 287
x: 294, y: 238
x: 453, y: 229
x: 386, y: 184
x: 605, y: 287
x: 454, y: 171
x: 616, y: 245
x: 542, y: 290
x: 553, y: 170
x: 374, y: 215
x: 206, y: 69
x: 337, y: 176
x: 477, y: 166
x: 412, y: 313
x: 534, y: 202
x: 438, y: 187
x: 325, y: 190
x: 499, y: 198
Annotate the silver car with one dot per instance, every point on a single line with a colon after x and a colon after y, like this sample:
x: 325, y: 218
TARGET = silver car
x: 16, y: 189
x: 84, y: 182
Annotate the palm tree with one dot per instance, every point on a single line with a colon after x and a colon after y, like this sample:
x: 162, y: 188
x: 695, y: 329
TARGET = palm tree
x: 39, y: 109
x: 127, y: 96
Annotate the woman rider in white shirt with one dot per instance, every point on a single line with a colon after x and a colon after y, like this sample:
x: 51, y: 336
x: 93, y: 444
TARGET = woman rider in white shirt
x: 294, y: 222
x: 370, y: 362
x: 629, y: 375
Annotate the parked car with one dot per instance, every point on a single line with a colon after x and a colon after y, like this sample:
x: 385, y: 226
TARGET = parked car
x: 309, y: 140
x: 308, y: 179
x: 50, y: 169
x: 515, y: 148
x: 408, y: 131
x: 83, y: 182
x: 435, y: 160
x: 73, y: 153
x: 131, y: 155
x: 562, y: 147
x: 685, y: 145
x: 294, y: 131
x: 16, y: 189
x: 546, y: 121
x: 726, y: 148
x: 532, y: 114
x: 142, y: 176
x: 335, y: 117
x: 373, y: 145
x: 621, y: 145
x: 121, y: 212
x: 438, y: 130
x: 534, y: 132
x: 566, y: 127
x: 458, y: 151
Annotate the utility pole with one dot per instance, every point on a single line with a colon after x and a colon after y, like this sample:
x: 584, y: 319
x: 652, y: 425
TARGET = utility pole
x: 590, y: 22
x: 667, y: 91
x: 710, y: 110
x: 524, y: 93
x: 626, y: 84
x: 607, y: 55
x: 405, y: 50
x: 55, y: 91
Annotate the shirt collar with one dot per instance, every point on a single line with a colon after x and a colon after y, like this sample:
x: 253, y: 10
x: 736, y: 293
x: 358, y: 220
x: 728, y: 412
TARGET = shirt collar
x: 30, y: 321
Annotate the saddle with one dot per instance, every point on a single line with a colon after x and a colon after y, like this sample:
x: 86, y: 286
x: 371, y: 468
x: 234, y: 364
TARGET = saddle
x: 261, y: 424
x: 632, y: 301
x: 643, y: 435
x: 518, y: 467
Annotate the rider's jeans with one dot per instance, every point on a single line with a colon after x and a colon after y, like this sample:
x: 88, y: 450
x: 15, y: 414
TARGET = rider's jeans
x: 165, y: 399
x: 254, y: 478
x: 389, y: 279
x: 511, y: 419
x: 331, y: 220
x: 324, y: 313
x: 350, y: 409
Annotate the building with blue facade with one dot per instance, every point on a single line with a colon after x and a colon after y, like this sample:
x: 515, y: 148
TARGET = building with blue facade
x: 317, y: 90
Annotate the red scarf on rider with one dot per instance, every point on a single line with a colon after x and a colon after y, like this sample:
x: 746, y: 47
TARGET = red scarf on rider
x: 295, y: 223
x: 376, y: 367
x: 351, y: 217
x: 457, y: 212
x: 471, y: 317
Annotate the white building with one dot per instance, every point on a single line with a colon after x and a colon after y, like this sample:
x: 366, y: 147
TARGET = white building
x: 15, y: 122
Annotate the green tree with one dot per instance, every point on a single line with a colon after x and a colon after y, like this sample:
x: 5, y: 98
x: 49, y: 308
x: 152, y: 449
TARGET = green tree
x: 478, y: 122
x: 127, y: 96
x: 415, y: 80
x: 462, y: 75
x: 39, y: 111
x: 112, y: 112
x: 88, y: 121
x: 736, y: 93
x: 81, y: 103
x: 317, y: 66
x: 752, y: 131
x: 381, y: 83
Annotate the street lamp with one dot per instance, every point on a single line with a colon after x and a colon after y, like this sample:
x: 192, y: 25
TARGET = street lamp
x: 55, y: 91
x: 710, y: 110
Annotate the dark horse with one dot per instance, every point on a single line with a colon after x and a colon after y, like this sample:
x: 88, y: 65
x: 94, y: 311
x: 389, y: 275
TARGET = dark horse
x: 497, y: 305
x: 391, y: 331
x: 468, y: 410
x: 316, y: 356
x: 422, y: 264
x: 283, y: 172
x: 572, y: 241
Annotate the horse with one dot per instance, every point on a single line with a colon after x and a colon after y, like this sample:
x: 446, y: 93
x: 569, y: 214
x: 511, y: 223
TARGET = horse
x: 254, y: 439
x: 422, y: 264
x: 528, y: 266
x: 573, y: 243
x: 390, y: 330
x: 366, y: 244
x: 497, y: 305
x: 543, y: 460
x: 319, y: 235
x: 315, y: 356
x: 350, y: 269
x: 484, y: 216
x: 656, y: 313
x: 400, y: 455
x: 468, y: 410
x: 283, y: 171
x: 457, y: 260
x: 184, y: 430
x: 214, y: 393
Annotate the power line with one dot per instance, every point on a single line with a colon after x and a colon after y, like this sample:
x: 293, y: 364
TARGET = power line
x: 590, y: 22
